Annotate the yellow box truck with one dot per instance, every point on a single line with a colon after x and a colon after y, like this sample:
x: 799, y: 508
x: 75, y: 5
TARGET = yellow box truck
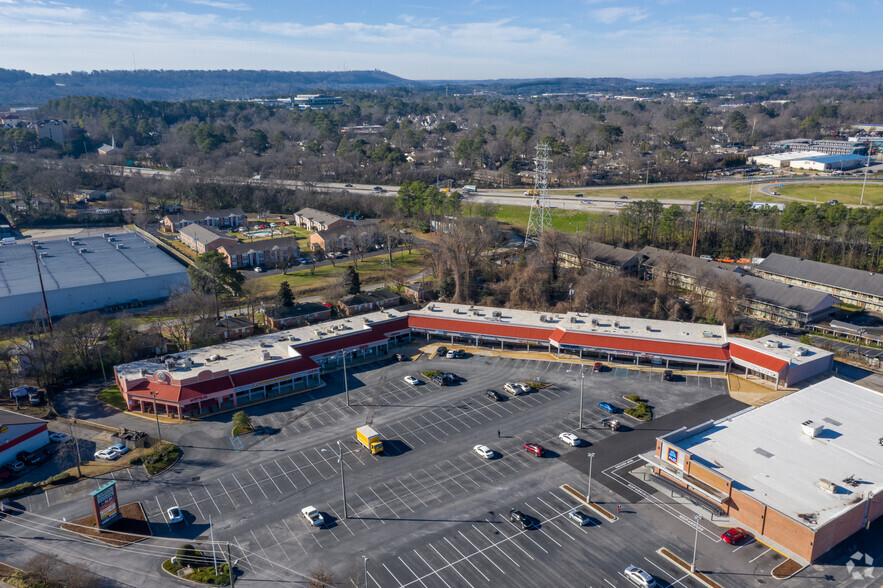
x: 370, y: 438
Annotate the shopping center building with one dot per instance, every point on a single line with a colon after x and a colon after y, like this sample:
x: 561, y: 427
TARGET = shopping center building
x: 804, y: 471
x: 221, y: 377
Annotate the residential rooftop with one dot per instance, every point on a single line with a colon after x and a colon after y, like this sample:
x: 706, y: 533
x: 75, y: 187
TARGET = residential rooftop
x: 767, y: 452
x: 825, y: 274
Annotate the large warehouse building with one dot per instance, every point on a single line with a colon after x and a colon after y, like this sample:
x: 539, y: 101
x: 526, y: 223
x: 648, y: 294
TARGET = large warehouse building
x: 805, y: 472
x: 83, y: 274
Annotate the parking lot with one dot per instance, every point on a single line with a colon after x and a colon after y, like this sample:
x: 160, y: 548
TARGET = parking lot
x: 429, y: 511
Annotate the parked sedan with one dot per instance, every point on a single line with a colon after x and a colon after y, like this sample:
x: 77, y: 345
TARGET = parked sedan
x: 639, y: 577
x: 412, y: 380
x: 175, y: 514
x: 611, y: 408
x: 735, y: 535
x: 570, y: 439
x: 535, y: 448
x: 109, y: 454
x: 493, y: 395
x: 668, y: 376
x: 441, y: 351
x: 521, y: 519
x: 484, y: 451
x: 598, y: 367
x: 59, y: 437
x: 579, y: 517
x: 120, y: 448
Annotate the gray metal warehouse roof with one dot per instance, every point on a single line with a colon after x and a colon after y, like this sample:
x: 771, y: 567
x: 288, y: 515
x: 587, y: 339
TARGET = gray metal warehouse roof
x: 63, y: 266
x: 825, y: 274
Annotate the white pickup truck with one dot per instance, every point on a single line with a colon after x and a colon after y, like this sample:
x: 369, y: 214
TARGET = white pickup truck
x: 313, y: 516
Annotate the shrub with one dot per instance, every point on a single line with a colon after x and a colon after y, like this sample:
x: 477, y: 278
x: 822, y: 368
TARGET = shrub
x: 206, y: 575
x: 641, y: 411
x: 633, y: 397
x: 62, y: 478
x: 160, y: 458
x: 136, y: 461
x: 430, y: 373
x: 16, y: 491
x: 242, y: 420
x: 187, y: 555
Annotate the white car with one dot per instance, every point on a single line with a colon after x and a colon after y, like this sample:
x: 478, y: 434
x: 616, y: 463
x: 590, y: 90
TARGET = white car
x: 570, y: 439
x: 120, y: 448
x: 258, y: 269
x: 59, y: 437
x: 484, y: 451
x: 108, y: 454
x: 313, y: 516
x: 412, y: 380
x: 175, y: 514
x: 639, y: 577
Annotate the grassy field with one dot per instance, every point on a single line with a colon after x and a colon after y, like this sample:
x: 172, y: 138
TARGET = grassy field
x: 564, y: 220
x: 845, y: 193
x: 371, y: 270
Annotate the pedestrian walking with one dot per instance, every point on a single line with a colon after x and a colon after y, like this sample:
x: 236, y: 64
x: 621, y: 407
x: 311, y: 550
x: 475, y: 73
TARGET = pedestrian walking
x: 498, y: 434
x: 618, y: 508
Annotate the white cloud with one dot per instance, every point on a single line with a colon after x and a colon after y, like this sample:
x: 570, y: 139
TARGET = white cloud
x: 611, y: 14
x: 218, y: 4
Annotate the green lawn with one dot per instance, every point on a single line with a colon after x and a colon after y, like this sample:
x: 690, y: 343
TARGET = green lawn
x: 845, y: 193
x: 113, y: 397
x: 666, y: 192
x: 564, y: 220
x: 371, y: 270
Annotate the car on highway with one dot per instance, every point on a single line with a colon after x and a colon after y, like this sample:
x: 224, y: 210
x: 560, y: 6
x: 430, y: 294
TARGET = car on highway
x: 579, y: 517
x: 639, y: 577
x: 108, y: 454
x: 668, y: 376
x: 59, y: 437
x: 441, y: 351
x: 493, y: 395
x: 484, y: 451
x: 175, y: 514
x: 586, y: 202
x: 735, y: 535
x: 612, y: 424
x: 570, y: 439
x: 412, y: 380
x: 535, y: 448
x: 578, y: 195
x: 623, y: 197
x: 608, y: 407
x: 347, y: 185
x: 313, y: 516
x: 833, y: 202
x: 521, y: 519
x: 598, y: 367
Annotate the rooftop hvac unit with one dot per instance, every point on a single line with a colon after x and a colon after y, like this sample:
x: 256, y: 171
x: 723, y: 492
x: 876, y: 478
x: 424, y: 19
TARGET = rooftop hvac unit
x: 292, y: 338
x: 497, y: 313
x: 71, y: 239
x: 81, y: 250
x: 265, y: 355
x: 772, y: 344
x: 118, y: 246
x: 475, y: 313
x: 827, y: 485
x: 187, y: 363
x: 171, y: 364
x: 616, y: 324
x: 74, y: 243
x: 144, y: 372
x: 542, y: 318
x: 365, y: 319
x: 431, y: 307
x: 707, y: 334
x: 573, y: 319
x: 594, y: 322
x: 648, y: 328
x: 811, y: 429
x: 215, y: 357
x: 800, y: 351
x: 106, y: 235
x: 456, y: 311
x: 318, y: 333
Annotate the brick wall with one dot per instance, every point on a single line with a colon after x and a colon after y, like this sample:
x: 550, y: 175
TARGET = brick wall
x: 788, y: 533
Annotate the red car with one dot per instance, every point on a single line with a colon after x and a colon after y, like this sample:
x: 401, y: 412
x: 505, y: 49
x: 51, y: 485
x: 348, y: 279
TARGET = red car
x: 535, y: 448
x: 735, y: 535
x: 597, y: 367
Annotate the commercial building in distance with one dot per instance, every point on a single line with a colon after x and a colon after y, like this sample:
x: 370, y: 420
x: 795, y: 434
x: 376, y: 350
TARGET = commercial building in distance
x: 829, y: 162
x: 803, y: 471
x: 858, y: 287
x: 779, y: 360
x: 83, y: 274
x: 783, y: 159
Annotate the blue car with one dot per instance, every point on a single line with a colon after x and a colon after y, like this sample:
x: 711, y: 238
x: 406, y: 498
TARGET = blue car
x: 608, y: 407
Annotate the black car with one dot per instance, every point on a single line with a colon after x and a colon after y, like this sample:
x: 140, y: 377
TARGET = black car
x: 520, y: 519
x: 440, y: 380
x: 31, y: 458
x: 451, y: 378
x: 348, y: 186
x: 493, y: 395
x: 577, y: 195
x: 668, y: 376
x: 441, y: 351
x: 459, y: 354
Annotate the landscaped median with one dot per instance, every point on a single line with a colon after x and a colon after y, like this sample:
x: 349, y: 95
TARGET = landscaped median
x: 192, y: 565
x: 641, y: 409
x: 582, y: 498
x: 686, y: 567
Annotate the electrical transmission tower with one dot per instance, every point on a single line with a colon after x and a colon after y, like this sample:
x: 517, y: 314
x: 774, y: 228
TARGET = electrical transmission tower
x: 540, y: 218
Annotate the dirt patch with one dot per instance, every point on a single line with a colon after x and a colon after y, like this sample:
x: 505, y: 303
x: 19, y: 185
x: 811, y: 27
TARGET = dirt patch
x: 7, y: 571
x: 131, y: 528
x: 786, y: 569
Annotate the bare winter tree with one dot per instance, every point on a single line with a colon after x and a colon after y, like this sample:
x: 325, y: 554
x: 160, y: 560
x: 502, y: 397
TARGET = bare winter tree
x: 463, y: 246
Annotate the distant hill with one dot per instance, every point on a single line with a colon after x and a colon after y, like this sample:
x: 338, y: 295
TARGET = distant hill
x: 816, y: 79
x: 538, y: 86
x: 20, y: 87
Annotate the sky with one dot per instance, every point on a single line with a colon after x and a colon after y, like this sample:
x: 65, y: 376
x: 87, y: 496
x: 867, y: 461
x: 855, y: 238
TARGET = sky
x: 446, y: 39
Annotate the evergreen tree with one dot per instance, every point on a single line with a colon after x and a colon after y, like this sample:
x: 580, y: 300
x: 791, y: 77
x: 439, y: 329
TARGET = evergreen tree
x: 285, y: 296
x: 351, y: 282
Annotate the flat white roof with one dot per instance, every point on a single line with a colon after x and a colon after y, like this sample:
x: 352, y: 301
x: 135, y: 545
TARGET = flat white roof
x: 240, y: 354
x: 581, y: 322
x: 790, y: 155
x: 787, y: 351
x: 767, y: 455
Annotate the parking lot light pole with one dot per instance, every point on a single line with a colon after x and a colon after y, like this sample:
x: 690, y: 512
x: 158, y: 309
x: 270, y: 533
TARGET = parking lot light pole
x: 860, y: 333
x: 589, y: 490
x: 365, y: 557
x: 156, y: 414
x: 101, y: 361
x: 342, y: 481
x: 581, y: 382
x: 697, y: 518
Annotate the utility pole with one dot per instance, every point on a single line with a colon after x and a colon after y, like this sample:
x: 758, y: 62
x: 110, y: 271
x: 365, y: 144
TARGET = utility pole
x: 696, y: 229
x: 697, y: 518
x: 342, y: 480
x: 865, y: 181
x: 346, y: 386
x: 70, y: 426
x: 581, y: 382
x: 230, y: 566
x: 212, y: 532
x: 589, y: 491
x: 156, y: 414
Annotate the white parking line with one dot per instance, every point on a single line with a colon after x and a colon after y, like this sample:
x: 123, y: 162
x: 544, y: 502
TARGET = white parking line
x: 163, y: 514
x: 242, y: 551
x: 391, y: 574
x: 228, y: 494
x: 196, y: 504
x: 760, y: 556
x: 397, y: 497
x: 314, y: 465
x: 281, y: 469
x: 294, y: 536
x: 299, y: 470
x: 384, y: 503
x: 285, y: 551
x: 242, y: 488
x: 675, y: 581
x: 271, y: 479
x: 472, y: 563
x: 415, y: 575
x: 343, y: 521
x: 371, y: 508
x: 257, y: 484
x: 412, y: 492
x: 510, y: 537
